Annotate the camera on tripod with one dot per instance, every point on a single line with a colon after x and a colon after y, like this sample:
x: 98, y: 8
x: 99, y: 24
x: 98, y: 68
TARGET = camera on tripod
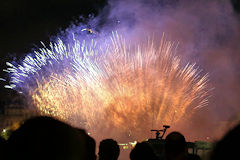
x: 158, y: 134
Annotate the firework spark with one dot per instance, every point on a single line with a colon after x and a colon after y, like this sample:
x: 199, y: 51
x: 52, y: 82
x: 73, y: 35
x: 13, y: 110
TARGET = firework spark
x: 115, y: 88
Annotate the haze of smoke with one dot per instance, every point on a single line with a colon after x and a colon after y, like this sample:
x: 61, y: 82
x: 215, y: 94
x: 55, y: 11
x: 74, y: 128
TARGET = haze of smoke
x: 208, y: 33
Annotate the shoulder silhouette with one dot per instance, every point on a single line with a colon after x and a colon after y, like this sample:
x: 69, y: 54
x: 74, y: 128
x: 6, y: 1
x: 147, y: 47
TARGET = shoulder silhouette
x: 47, y: 138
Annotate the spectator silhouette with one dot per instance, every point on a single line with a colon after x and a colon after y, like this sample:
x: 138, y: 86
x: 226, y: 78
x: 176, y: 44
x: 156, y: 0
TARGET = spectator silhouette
x: 108, y: 150
x: 2, y: 147
x: 228, y: 146
x: 142, y: 151
x: 90, y: 145
x: 44, y: 138
x: 176, y: 148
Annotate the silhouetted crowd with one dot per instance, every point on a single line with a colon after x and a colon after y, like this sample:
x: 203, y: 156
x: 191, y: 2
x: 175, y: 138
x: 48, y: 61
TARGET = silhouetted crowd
x: 45, y: 138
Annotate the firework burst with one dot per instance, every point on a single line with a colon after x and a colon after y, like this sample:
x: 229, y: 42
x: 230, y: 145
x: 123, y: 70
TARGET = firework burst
x: 111, y: 87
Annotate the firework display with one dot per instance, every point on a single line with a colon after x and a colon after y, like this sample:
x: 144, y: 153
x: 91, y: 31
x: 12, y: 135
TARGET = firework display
x: 111, y: 87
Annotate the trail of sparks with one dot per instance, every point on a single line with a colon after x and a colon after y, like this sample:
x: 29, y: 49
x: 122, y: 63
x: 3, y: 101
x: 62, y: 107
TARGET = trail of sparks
x: 113, y: 88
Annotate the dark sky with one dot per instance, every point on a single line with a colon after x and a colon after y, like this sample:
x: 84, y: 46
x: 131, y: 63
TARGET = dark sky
x: 24, y: 22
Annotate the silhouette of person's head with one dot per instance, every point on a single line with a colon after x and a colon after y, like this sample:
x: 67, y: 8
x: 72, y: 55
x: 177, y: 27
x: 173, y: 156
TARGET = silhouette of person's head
x: 2, y: 147
x: 227, y: 147
x: 2, y: 142
x: 108, y: 150
x: 142, y: 151
x: 175, y: 146
x: 47, y: 138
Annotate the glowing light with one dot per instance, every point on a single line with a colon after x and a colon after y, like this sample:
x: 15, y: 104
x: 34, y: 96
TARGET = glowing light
x: 111, y: 88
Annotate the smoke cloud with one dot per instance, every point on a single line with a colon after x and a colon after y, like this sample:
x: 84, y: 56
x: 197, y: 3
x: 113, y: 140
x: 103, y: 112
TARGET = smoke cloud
x: 208, y: 34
